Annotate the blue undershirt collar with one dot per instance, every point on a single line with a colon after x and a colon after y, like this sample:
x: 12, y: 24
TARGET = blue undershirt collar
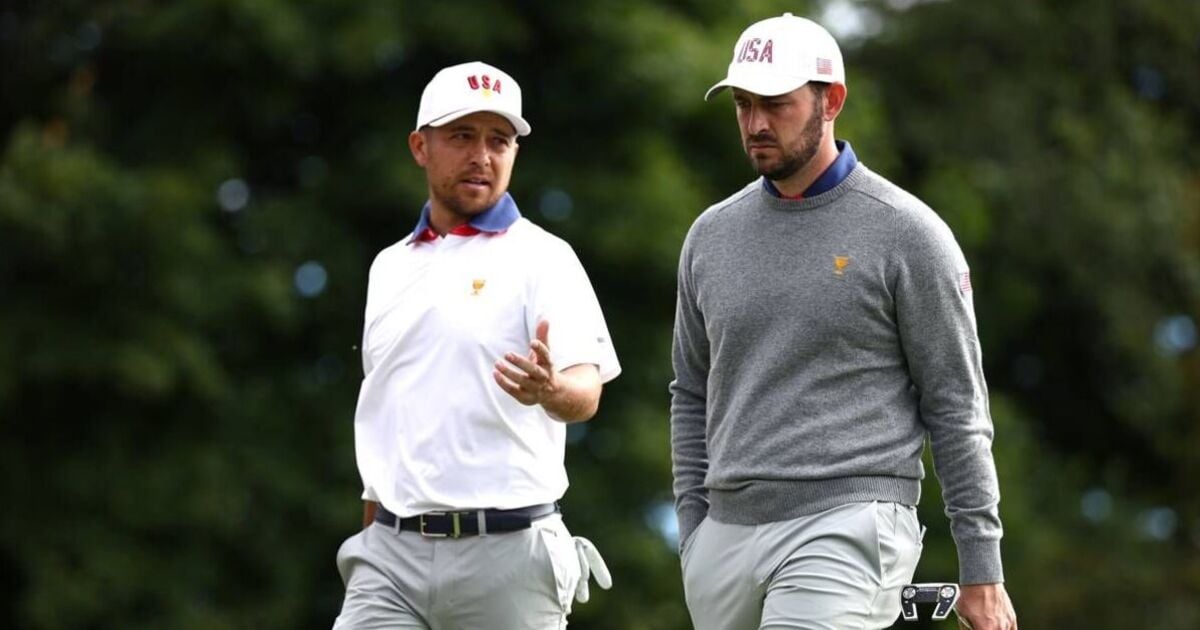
x: 838, y: 171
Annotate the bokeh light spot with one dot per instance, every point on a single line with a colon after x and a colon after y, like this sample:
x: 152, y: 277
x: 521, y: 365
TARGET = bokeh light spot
x: 88, y: 37
x: 310, y: 279
x: 576, y: 432
x: 661, y: 518
x: 328, y: 369
x: 1158, y: 523
x: 233, y: 195
x: 1175, y: 335
x: 389, y: 55
x: 556, y: 205
x: 1096, y: 505
x: 1149, y: 83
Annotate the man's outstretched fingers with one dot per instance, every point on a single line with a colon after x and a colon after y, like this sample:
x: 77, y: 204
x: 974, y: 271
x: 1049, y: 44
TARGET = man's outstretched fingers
x: 534, y: 371
x: 517, y: 377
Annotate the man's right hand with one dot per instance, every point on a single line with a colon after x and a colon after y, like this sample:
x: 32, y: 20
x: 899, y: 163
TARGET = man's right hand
x: 985, y: 607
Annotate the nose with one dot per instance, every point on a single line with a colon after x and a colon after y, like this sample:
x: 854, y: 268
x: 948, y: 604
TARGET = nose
x: 480, y: 154
x: 756, y: 119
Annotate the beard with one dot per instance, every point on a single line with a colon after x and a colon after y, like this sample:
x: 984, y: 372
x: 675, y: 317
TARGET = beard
x: 792, y: 159
x: 464, y: 206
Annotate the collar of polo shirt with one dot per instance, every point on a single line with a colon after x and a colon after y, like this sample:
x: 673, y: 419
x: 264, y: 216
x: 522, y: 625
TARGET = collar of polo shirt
x: 494, y: 220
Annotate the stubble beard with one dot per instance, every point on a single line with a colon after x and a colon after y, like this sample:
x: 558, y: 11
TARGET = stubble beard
x: 461, y: 207
x: 791, y: 162
x: 463, y: 210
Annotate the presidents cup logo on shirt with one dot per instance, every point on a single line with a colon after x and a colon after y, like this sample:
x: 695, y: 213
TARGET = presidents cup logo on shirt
x: 477, y: 285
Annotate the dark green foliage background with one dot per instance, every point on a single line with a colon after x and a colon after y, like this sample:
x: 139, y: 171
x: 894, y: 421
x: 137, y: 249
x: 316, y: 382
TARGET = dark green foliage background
x: 176, y: 420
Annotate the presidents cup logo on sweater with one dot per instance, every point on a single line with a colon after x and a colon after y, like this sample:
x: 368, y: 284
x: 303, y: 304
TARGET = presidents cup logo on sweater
x: 477, y: 285
x: 839, y: 265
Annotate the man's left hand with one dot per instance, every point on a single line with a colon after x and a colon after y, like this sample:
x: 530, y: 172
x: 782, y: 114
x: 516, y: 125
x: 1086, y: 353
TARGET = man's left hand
x: 531, y: 378
x: 985, y: 607
x: 571, y: 395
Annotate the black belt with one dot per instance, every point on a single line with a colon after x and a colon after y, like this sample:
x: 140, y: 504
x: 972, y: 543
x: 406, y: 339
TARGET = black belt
x: 468, y: 522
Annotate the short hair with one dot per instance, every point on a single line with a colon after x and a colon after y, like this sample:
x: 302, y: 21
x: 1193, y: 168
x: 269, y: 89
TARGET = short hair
x: 819, y: 88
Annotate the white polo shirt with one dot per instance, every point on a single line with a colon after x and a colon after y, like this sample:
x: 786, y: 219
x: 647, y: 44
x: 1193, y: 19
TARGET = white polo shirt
x: 433, y: 430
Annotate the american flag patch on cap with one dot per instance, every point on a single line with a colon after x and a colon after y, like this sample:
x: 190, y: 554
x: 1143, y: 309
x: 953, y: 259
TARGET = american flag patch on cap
x: 964, y: 282
x: 824, y: 66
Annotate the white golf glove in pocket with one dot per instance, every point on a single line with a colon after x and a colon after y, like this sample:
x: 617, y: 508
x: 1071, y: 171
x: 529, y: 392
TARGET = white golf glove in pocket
x: 590, y: 564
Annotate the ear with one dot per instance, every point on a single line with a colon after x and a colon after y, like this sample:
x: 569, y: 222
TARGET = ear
x: 418, y: 144
x: 835, y: 99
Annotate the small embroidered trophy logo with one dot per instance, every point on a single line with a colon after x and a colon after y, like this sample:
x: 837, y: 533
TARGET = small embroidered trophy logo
x: 477, y: 285
x: 839, y: 264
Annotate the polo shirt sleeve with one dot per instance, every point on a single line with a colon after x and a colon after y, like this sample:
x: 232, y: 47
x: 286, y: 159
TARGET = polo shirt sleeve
x: 564, y: 296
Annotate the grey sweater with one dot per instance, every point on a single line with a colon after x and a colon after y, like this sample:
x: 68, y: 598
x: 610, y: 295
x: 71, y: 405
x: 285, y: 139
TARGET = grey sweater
x: 817, y: 343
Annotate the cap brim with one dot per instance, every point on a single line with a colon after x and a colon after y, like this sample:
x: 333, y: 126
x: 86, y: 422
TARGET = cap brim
x: 522, y: 128
x: 761, y: 85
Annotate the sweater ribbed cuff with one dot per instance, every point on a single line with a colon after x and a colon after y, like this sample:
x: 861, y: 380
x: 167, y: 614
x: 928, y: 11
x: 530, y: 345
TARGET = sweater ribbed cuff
x: 979, y: 562
x: 689, y: 519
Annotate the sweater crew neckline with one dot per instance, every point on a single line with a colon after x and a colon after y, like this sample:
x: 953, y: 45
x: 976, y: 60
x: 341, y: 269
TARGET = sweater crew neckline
x: 852, y: 180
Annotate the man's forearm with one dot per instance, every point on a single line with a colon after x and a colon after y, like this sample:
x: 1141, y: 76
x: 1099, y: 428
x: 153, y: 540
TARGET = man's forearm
x: 577, y: 395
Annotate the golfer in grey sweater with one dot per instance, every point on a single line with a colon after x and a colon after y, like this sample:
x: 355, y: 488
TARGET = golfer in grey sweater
x: 824, y: 329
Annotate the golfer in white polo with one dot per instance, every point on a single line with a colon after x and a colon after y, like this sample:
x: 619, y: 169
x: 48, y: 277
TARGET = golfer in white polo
x: 482, y: 340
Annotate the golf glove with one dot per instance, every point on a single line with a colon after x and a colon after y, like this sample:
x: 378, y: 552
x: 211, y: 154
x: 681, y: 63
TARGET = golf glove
x: 590, y: 564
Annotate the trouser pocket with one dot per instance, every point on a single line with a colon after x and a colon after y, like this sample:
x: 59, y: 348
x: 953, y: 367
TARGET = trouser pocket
x: 899, y: 536
x: 562, y: 558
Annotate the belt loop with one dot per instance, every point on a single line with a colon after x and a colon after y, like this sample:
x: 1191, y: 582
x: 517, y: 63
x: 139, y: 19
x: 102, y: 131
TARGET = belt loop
x: 481, y: 519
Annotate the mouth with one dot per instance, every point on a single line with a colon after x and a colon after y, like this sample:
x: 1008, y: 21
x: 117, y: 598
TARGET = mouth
x: 476, y: 183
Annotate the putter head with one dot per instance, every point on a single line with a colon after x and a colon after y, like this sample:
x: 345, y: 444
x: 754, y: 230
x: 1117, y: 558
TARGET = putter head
x: 942, y: 594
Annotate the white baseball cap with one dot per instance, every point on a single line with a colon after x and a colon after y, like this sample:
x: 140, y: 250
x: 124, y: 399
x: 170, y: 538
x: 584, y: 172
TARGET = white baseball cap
x: 779, y: 54
x: 467, y: 88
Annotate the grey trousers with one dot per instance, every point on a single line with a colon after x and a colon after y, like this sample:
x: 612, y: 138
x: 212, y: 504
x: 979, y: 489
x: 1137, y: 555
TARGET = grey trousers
x: 522, y: 580
x: 841, y: 569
